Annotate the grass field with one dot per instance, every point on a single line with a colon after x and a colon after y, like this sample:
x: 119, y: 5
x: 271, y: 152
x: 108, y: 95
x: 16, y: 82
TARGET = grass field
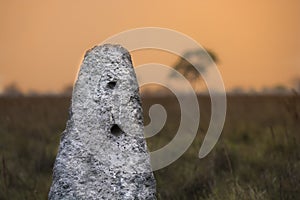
x: 257, y: 156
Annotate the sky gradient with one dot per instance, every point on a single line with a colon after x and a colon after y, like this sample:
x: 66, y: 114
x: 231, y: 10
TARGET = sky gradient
x: 43, y: 42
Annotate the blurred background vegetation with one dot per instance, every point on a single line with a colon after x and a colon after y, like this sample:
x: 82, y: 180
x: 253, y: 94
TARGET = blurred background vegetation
x: 257, y: 156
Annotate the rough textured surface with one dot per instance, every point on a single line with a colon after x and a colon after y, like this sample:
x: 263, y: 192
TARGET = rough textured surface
x: 102, y: 153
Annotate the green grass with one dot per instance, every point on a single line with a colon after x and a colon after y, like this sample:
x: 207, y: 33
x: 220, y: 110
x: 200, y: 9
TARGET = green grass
x: 257, y: 156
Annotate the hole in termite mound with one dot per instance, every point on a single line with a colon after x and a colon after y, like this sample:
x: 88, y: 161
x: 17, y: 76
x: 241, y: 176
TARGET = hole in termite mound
x: 111, y: 84
x: 116, y: 130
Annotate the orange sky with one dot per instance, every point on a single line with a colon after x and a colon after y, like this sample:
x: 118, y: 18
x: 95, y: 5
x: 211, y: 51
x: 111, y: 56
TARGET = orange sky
x: 42, y: 42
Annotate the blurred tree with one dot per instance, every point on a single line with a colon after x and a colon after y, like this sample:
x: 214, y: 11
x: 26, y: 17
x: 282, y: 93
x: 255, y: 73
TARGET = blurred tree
x: 67, y: 90
x: 12, y: 90
x: 280, y: 89
x: 252, y: 91
x: 33, y: 93
x: 200, y: 58
x: 277, y: 89
x: 238, y: 90
x: 296, y: 83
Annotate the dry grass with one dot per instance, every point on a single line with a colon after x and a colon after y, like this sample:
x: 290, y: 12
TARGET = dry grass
x: 257, y: 157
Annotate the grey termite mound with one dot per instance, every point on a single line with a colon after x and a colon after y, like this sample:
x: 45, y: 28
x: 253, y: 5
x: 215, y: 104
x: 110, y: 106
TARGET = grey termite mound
x: 102, y: 152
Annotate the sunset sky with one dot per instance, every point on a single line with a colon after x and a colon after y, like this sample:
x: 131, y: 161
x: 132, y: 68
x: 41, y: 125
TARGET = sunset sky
x: 43, y: 42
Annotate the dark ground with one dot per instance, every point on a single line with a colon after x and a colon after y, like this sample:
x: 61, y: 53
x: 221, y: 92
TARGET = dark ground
x: 257, y: 156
